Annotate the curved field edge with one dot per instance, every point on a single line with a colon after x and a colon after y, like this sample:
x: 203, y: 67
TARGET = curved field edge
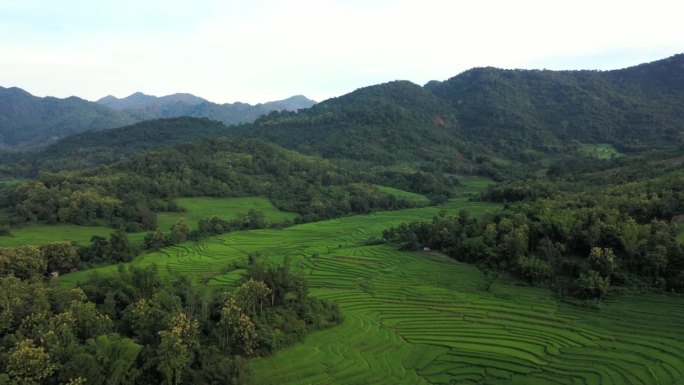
x: 421, y: 318
x: 407, y: 195
x: 197, y: 208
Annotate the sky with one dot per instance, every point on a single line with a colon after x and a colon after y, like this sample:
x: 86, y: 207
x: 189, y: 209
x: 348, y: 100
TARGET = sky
x: 260, y: 50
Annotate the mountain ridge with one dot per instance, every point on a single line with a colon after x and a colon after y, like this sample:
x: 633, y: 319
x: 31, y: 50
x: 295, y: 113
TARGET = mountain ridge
x: 145, y: 107
x: 28, y: 121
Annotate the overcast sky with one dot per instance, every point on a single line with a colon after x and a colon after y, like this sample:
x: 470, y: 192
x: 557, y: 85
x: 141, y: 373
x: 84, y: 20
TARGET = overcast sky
x: 260, y: 50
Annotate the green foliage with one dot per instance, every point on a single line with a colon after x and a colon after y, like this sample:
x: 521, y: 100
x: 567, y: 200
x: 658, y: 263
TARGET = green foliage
x: 28, y: 364
x: 619, y: 231
x: 60, y: 256
x: 592, y: 285
x: 125, y: 193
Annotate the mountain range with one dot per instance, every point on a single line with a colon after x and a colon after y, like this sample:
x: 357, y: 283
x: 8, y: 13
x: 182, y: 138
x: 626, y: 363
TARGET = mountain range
x: 484, y: 120
x: 146, y: 107
x: 31, y: 121
x: 490, y: 116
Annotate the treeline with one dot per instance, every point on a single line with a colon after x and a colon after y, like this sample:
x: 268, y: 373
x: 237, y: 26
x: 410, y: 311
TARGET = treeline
x: 133, y: 327
x: 618, y: 235
x: 65, y: 256
x: 127, y: 194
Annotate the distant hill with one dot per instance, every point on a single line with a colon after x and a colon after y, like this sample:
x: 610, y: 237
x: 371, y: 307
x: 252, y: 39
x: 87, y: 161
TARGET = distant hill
x: 487, y: 117
x: 139, y: 100
x: 387, y: 123
x: 108, y: 146
x: 634, y: 108
x: 152, y: 107
x: 31, y: 121
x: 27, y: 120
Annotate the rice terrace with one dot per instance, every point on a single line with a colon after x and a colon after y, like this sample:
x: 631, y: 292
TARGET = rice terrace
x: 421, y: 318
x: 341, y: 193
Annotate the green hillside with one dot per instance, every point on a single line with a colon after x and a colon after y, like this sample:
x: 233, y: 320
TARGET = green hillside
x: 108, y: 146
x: 633, y: 108
x: 389, y: 123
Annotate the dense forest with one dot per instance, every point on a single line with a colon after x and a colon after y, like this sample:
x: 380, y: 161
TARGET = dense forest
x: 136, y: 326
x: 583, y: 233
x: 129, y: 192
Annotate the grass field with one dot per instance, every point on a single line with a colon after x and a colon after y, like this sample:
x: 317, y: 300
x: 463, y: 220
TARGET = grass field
x: 196, y: 209
x: 38, y: 234
x: 224, y: 208
x: 402, y: 194
x: 421, y: 318
x: 601, y: 151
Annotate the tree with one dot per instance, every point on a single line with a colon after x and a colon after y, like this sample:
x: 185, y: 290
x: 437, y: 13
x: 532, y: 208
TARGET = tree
x: 177, y: 348
x: 592, y: 284
x: 117, y: 356
x: 156, y: 240
x: 180, y: 231
x: 534, y: 269
x: 28, y: 364
x: 255, y: 219
x: 657, y: 259
x: 90, y: 323
x: 235, y: 330
x: 603, y: 260
x: 60, y: 256
x: 251, y: 293
x: 120, y: 248
x: 22, y: 262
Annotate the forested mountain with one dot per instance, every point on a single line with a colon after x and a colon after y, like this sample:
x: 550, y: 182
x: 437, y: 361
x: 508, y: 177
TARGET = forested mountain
x: 140, y: 101
x: 483, y: 114
x: 634, y: 108
x: 31, y: 121
x: 108, y: 146
x: 387, y: 123
x: 27, y: 120
x: 151, y: 107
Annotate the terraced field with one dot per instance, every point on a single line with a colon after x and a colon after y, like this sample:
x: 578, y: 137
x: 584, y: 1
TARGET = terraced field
x: 409, y: 196
x: 197, y: 208
x: 421, y: 318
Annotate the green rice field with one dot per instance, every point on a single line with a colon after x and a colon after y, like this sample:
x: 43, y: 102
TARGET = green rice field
x: 402, y: 194
x: 422, y: 318
x: 38, y: 234
x: 195, y: 209
x: 225, y: 208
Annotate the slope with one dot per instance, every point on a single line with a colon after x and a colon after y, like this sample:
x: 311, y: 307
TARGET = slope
x: 387, y: 123
x: 27, y: 120
x: 634, y: 109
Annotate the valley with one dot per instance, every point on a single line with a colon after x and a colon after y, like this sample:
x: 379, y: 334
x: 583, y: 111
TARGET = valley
x: 499, y: 227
